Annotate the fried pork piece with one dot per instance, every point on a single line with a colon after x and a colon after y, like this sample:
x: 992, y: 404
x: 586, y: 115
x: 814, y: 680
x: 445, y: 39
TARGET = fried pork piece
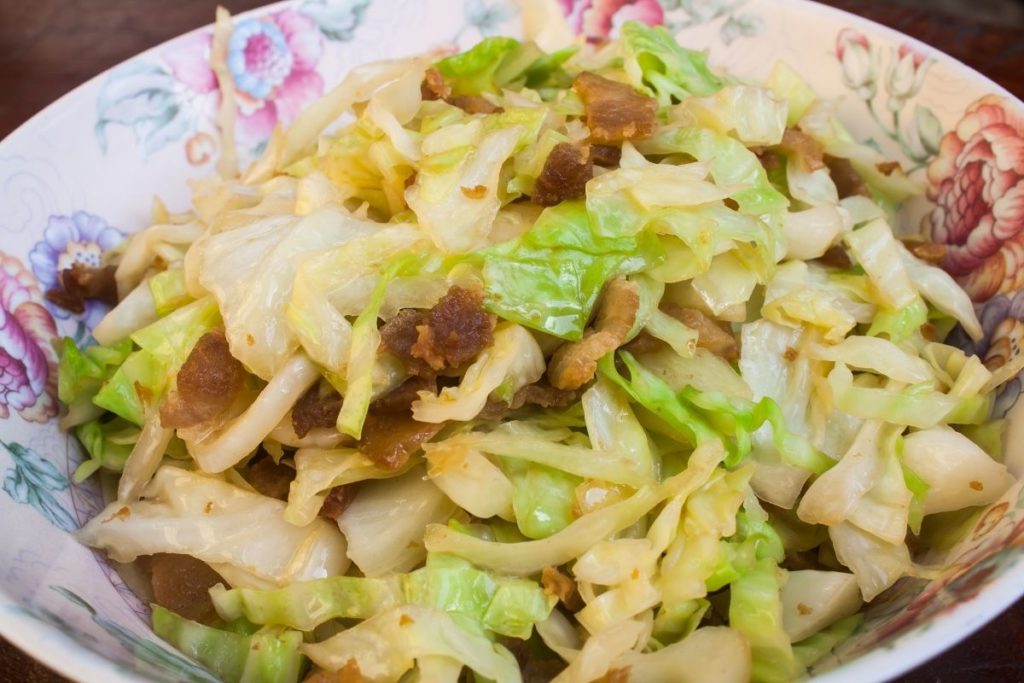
x: 848, y: 181
x: 607, y: 156
x: 448, y: 336
x: 207, y: 383
x: 644, y: 343
x: 561, y: 586
x: 575, y: 363
x: 711, y: 336
x: 805, y: 148
x: 540, y: 394
x: 434, y: 86
x: 80, y: 283
x: 564, y: 176
x: 182, y: 584
x: 836, y: 257
x: 535, y: 667
x: 544, y: 395
x: 475, y: 104
x: 400, y: 399
x: 338, y: 499
x: 268, y: 477
x: 615, y: 111
x: 318, y: 407
x: 390, y: 439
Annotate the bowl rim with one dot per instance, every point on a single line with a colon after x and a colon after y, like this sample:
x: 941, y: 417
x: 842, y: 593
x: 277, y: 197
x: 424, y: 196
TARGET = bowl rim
x: 901, y: 654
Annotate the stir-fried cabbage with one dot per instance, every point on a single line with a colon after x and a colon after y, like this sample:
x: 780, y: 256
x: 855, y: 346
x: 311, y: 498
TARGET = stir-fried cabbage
x: 514, y: 361
x: 546, y: 353
x: 234, y: 657
x: 384, y: 524
x: 388, y: 645
x: 210, y: 519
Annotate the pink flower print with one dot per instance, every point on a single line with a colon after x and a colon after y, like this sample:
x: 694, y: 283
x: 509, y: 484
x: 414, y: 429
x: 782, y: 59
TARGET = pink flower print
x: 272, y: 61
x: 28, y: 362
x: 601, y: 19
x: 189, y: 61
x: 860, y: 73
x: 977, y: 183
x: 906, y: 76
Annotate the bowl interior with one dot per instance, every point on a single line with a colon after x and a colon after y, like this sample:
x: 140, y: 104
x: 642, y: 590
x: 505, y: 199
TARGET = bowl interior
x: 83, y: 173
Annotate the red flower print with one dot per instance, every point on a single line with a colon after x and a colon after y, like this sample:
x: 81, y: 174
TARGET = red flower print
x: 977, y: 183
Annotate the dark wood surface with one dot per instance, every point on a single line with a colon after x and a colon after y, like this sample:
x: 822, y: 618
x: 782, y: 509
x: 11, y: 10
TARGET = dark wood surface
x: 49, y: 46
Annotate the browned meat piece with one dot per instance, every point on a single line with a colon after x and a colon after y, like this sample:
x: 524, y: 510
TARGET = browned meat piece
x: 433, y: 86
x: 836, y: 257
x: 536, y: 666
x: 349, y: 673
x: 796, y: 143
x: 269, y: 478
x: 575, y: 363
x: 711, y: 336
x: 643, y: 343
x: 400, y: 400
x: 544, y: 395
x: 399, y: 335
x: 456, y: 330
x: 475, y: 104
x: 338, y: 499
x: 182, y: 584
x: 564, y: 176
x: 449, y: 335
x: 206, y: 384
x: 389, y: 440
x: 81, y: 282
x: 848, y: 182
x: 318, y: 407
x: 620, y: 675
x: 615, y: 111
x: 607, y: 156
x: 540, y: 394
x: 770, y: 159
x: 561, y: 586
x: 929, y: 252
x: 493, y: 410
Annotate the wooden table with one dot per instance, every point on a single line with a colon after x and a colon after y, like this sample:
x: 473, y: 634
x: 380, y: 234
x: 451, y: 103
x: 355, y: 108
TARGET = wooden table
x: 49, y: 46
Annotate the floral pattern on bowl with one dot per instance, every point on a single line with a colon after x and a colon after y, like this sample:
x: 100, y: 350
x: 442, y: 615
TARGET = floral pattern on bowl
x: 273, y: 59
x: 154, y: 127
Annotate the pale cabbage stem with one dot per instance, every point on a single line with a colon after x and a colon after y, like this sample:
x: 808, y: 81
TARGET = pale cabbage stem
x: 241, y: 437
x: 141, y: 251
x: 145, y: 457
x: 135, y: 311
x: 227, y: 165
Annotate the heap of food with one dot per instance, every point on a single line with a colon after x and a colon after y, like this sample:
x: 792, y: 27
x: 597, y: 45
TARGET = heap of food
x: 580, y: 365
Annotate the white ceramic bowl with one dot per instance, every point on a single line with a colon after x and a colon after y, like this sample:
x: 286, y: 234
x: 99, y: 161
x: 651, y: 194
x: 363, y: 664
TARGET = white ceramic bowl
x: 83, y: 172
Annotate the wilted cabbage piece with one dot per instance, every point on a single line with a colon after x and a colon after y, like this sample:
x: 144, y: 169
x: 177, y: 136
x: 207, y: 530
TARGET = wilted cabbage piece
x: 189, y: 513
